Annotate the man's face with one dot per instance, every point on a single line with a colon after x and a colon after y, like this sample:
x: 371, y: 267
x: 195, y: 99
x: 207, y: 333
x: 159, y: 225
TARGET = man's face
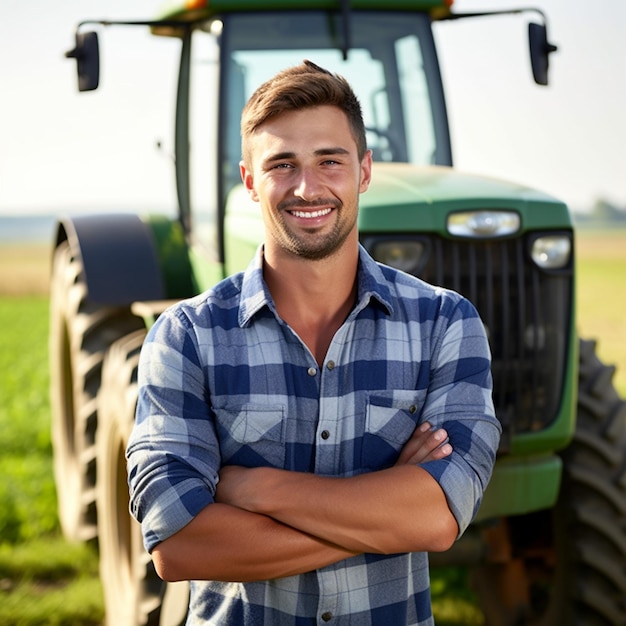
x: 305, y: 172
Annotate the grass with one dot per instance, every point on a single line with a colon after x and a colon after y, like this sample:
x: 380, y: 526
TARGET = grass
x: 454, y: 604
x: 27, y: 489
x: 45, y: 580
x: 601, y: 297
x: 74, y: 602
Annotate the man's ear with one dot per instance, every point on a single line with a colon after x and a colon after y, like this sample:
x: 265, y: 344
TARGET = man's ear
x: 248, y: 181
x: 366, y: 172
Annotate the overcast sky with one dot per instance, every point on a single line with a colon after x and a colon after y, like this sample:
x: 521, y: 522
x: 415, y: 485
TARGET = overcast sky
x: 63, y: 151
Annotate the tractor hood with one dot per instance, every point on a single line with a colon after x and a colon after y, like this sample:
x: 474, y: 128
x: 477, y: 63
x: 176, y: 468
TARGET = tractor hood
x: 404, y: 197
x: 407, y: 199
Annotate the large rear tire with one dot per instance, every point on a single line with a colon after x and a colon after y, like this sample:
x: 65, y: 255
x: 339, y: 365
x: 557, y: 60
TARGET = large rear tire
x: 134, y: 594
x: 568, y: 565
x: 80, y: 334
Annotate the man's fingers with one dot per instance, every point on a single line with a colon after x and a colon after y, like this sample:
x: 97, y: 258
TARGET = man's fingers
x: 438, y: 453
x: 425, y: 445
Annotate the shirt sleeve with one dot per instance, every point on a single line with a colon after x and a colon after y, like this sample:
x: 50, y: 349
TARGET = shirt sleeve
x: 460, y: 400
x: 173, y: 455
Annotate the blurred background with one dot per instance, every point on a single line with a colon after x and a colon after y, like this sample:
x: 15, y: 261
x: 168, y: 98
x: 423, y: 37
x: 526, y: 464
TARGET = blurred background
x: 110, y: 150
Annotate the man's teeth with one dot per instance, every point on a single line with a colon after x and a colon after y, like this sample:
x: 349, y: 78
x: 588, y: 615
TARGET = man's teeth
x: 311, y: 214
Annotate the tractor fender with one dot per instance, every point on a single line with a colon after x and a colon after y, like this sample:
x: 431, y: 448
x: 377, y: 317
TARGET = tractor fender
x: 118, y: 254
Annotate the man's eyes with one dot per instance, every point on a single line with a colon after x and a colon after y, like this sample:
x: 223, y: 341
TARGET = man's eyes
x: 280, y: 166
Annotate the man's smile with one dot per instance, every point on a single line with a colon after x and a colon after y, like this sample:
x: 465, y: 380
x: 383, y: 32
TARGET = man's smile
x: 311, y: 214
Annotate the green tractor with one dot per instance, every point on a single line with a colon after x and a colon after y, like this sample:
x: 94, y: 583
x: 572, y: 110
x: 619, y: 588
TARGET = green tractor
x: 549, y: 543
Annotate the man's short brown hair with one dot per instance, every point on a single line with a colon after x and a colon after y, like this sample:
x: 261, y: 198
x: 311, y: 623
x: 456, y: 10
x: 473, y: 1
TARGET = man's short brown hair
x: 299, y: 87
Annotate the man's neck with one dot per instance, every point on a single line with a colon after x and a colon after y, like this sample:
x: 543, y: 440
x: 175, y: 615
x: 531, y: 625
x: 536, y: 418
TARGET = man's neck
x: 313, y: 297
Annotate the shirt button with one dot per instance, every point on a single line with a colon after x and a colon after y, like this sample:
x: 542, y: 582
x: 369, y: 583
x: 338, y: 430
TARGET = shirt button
x: 325, y: 434
x: 330, y: 365
x: 311, y: 371
x: 412, y: 408
x: 327, y: 616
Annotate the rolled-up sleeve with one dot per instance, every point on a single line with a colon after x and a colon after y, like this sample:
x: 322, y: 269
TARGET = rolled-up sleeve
x: 173, y: 455
x: 460, y: 400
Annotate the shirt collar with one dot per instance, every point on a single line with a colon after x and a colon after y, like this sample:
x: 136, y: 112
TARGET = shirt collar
x: 372, y: 285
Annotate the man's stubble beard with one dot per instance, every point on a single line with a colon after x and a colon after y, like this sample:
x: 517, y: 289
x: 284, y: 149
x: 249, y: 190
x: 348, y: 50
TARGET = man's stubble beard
x: 315, y: 247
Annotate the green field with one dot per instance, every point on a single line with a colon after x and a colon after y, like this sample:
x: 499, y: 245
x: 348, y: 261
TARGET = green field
x: 43, y: 580
x: 601, y: 297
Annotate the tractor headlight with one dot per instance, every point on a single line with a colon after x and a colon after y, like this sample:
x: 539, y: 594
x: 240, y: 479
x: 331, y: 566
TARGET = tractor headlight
x: 483, y: 224
x: 551, y: 252
x: 407, y: 255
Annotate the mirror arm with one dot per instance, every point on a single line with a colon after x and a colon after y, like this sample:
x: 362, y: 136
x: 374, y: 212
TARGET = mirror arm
x: 347, y: 28
x: 152, y: 23
x: 460, y: 16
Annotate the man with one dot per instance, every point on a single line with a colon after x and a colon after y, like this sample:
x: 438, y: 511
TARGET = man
x: 283, y: 456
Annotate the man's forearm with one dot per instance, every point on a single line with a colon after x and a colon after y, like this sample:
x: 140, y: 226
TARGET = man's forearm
x: 401, y: 509
x: 229, y: 544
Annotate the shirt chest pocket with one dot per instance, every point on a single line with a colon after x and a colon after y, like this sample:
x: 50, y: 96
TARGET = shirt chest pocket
x: 390, y: 419
x: 251, y: 436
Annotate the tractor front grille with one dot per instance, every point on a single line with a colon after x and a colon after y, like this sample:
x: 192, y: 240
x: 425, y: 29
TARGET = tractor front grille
x: 526, y: 313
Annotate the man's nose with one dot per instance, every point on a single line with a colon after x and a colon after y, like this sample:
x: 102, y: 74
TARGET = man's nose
x: 308, y: 185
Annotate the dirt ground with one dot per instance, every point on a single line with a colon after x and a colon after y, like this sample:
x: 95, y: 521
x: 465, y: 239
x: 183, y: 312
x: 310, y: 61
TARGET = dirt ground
x: 25, y: 269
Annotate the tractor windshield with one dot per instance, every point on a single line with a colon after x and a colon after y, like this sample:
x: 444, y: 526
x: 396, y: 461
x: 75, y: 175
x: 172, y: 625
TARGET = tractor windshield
x: 391, y: 64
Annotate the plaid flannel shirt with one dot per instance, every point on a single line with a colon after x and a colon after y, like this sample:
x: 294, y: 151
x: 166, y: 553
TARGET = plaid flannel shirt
x: 223, y: 380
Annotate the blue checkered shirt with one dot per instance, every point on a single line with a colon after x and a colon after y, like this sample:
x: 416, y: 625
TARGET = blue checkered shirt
x: 223, y: 380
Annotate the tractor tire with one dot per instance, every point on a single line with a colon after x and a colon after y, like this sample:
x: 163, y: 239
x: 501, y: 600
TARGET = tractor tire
x: 568, y: 565
x: 80, y: 334
x: 134, y: 595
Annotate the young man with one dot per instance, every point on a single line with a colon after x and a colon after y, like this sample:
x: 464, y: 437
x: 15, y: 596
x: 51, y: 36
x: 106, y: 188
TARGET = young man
x: 283, y: 456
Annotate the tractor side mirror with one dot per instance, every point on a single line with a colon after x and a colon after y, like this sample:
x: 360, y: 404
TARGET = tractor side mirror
x: 540, y: 51
x: 87, y: 55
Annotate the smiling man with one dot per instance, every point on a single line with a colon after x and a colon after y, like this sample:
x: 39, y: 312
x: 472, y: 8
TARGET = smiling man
x: 305, y: 171
x: 290, y: 453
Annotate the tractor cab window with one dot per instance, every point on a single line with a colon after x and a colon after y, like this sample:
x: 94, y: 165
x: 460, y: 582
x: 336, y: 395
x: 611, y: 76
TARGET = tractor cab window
x: 203, y: 123
x: 390, y: 64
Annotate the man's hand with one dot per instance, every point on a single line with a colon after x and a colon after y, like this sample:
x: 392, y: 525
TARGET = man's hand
x: 424, y: 445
